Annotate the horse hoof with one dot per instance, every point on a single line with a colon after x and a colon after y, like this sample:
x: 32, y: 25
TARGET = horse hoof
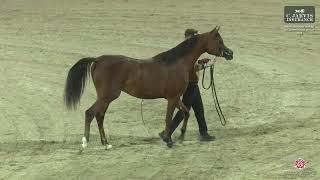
x: 84, y: 143
x: 170, y: 144
x: 161, y: 134
x: 81, y: 150
x: 181, y: 138
x: 163, y: 137
x: 84, y: 146
x: 108, y: 146
x: 166, y: 139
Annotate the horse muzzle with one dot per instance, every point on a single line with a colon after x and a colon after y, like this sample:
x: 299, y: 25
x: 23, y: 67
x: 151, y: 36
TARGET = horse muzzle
x: 228, y: 54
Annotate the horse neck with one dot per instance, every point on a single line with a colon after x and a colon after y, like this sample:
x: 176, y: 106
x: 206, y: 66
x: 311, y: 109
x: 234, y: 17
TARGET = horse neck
x: 192, y: 57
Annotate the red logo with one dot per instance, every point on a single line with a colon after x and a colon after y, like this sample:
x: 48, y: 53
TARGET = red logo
x: 300, y: 163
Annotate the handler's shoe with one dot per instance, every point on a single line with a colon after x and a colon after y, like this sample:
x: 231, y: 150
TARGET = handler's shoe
x: 206, y: 137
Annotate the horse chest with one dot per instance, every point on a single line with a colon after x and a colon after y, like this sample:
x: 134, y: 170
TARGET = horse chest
x: 176, y: 84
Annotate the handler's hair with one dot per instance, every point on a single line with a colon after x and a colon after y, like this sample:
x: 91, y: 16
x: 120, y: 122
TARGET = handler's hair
x: 190, y: 32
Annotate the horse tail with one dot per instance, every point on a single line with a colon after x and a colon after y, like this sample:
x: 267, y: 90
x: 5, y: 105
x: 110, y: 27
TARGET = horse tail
x: 76, y: 82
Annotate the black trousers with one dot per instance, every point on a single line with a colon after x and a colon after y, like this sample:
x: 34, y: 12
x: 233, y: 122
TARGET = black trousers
x: 192, y: 98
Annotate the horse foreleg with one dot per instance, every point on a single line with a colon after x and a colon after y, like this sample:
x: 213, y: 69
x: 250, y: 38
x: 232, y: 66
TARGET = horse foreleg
x: 186, y: 118
x: 170, y: 109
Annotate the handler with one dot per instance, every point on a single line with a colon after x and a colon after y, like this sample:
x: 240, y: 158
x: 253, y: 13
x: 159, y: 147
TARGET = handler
x: 192, y: 97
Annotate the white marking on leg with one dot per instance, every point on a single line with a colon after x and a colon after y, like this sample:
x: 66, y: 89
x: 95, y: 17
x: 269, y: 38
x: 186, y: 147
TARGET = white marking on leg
x: 84, y: 142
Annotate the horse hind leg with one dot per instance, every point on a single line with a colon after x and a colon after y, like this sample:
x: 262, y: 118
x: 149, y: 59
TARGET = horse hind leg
x: 105, y: 97
x: 100, y: 113
x: 89, y: 115
x: 97, y: 110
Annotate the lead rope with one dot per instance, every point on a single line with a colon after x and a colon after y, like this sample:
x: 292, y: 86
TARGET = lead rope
x: 214, y: 95
x: 141, y: 112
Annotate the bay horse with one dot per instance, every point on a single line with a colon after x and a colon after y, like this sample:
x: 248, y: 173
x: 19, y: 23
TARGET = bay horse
x: 165, y: 75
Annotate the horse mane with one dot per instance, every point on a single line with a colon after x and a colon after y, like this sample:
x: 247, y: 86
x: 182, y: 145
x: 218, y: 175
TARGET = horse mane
x: 172, y: 55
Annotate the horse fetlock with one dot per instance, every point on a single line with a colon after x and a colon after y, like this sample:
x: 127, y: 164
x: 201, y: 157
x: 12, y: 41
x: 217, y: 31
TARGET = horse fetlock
x: 104, y: 141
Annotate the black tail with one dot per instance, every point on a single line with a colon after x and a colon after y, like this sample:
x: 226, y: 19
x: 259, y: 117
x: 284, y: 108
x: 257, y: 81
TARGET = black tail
x: 76, y: 82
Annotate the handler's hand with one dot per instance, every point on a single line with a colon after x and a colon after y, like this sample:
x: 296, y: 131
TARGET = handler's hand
x: 203, y: 61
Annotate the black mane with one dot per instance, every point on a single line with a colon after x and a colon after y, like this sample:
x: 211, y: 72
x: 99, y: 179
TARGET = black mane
x: 171, y: 56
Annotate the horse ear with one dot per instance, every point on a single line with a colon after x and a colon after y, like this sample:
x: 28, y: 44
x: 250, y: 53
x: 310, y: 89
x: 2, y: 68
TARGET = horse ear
x: 216, y: 29
x: 213, y: 30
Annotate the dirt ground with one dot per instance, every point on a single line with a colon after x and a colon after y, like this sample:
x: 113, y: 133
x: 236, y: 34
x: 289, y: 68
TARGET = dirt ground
x: 269, y: 93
